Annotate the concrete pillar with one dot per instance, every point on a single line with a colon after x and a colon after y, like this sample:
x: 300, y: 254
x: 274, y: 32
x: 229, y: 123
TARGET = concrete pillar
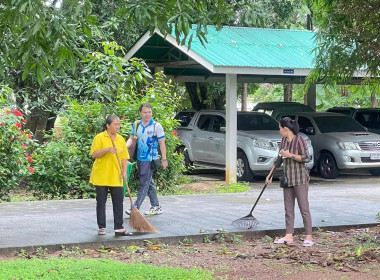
x: 231, y: 128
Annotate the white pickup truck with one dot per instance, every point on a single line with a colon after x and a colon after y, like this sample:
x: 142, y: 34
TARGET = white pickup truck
x: 202, y: 136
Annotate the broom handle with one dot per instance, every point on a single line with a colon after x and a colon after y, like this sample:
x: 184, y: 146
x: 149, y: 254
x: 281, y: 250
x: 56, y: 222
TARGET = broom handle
x: 257, y: 200
x: 125, y: 181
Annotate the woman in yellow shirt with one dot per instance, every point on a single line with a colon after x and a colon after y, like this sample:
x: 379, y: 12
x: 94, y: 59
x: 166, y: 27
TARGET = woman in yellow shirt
x: 106, y: 174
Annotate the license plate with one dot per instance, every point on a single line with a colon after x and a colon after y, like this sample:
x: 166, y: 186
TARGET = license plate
x: 375, y: 156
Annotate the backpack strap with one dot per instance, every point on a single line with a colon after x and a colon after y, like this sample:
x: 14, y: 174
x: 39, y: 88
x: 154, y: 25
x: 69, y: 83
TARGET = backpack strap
x: 137, y: 123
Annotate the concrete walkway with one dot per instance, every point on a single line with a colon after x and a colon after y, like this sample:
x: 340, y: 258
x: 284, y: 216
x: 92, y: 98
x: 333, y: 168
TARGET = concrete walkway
x: 50, y: 224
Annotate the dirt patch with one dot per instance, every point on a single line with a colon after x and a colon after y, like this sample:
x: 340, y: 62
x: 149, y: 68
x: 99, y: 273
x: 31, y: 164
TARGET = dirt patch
x: 201, y: 187
x: 352, y: 254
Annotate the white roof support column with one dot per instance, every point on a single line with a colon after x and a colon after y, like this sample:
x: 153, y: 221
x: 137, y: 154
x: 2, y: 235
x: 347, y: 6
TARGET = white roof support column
x: 231, y: 128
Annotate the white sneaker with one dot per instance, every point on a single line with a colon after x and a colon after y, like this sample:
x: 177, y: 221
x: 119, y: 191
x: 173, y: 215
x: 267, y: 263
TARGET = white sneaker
x: 128, y: 211
x: 154, y: 210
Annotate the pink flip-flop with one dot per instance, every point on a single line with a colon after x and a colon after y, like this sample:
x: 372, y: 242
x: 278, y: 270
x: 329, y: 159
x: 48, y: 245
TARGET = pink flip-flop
x: 282, y: 241
x: 307, y: 243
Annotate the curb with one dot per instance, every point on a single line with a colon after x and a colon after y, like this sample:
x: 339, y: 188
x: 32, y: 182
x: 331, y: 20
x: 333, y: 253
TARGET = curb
x: 197, y: 238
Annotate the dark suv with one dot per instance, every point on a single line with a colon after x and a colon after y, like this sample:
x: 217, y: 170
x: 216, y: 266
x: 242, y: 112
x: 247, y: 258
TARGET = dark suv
x: 274, y: 109
x: 367, y: 117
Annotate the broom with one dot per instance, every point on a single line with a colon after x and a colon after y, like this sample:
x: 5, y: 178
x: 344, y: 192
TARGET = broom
x: 249, y: 221
x: 137, y: 221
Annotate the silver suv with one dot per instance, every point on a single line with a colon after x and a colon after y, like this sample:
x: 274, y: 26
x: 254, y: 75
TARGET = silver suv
x: 202, y: 134
x: 339, y: 142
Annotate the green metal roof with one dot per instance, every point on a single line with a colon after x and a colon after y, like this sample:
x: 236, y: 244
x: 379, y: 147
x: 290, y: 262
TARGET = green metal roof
x: 257, y: 47
x: 255, y: 54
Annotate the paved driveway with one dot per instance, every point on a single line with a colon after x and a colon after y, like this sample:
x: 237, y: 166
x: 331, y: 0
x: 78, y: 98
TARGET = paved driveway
x: 348, y: 201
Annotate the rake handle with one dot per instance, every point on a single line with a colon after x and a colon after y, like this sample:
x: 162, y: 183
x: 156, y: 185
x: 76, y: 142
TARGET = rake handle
x: 261, y: 193
x: 125, y: 181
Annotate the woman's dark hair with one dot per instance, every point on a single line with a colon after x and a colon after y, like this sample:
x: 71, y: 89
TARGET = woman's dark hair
x: 109, y: 120
x: 291, y: 124
x: 145, y: 105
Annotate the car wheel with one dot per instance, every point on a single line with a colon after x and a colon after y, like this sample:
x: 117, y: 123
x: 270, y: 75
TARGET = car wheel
x: 374, y: 172
x: 327, y: 166
x: 243, y: 171
x: 186, y: 162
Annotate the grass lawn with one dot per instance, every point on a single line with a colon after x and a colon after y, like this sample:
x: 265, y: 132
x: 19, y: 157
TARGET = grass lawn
x: 67, y: 268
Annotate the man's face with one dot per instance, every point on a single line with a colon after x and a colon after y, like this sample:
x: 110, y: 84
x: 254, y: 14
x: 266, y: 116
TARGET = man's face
x: 146, y: 114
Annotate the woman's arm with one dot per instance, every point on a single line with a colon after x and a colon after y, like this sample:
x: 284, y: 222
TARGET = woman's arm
x: 102, y: 152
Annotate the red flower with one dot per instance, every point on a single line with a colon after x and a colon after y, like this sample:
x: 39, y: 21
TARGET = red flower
x: 18, y: 113
x: 24, y: 146
x: 23, y: 120
x: 3, y: 123
x: 175, y: 133
x: 10, y: 138
x: 30, y: 136
x: 123, y: 117
x: 31, y: 169
x: 18, y: 162
x: 18, y: 125
x: 7, y: 112
x: 30, y: 159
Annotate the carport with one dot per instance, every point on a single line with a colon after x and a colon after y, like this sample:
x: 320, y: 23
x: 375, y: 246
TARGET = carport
x: 233, y: 55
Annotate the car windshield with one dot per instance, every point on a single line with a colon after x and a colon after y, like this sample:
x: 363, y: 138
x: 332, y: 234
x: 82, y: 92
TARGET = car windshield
x: 184, y: 118
x: 256, y: 122
x: 342, y: 123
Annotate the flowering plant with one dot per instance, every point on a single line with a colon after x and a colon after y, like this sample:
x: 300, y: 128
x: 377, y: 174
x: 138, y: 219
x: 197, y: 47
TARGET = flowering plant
x: 15, y: 149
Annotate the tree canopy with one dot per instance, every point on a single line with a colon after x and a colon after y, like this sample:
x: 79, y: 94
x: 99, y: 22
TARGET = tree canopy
x: 348, y: 36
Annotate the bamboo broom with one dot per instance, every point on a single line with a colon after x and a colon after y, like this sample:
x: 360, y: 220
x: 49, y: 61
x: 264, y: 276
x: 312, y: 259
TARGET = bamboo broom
x: 137, y: 221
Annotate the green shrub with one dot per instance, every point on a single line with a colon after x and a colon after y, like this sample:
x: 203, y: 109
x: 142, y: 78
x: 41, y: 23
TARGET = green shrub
x: 57, y: 168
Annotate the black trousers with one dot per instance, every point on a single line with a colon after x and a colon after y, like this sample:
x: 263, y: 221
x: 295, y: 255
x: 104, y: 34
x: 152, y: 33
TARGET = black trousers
x: 117, y: 196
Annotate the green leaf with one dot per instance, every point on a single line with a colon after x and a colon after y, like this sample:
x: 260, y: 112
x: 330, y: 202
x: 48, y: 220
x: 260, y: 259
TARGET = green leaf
x: 121, y: 12
x: 40, y: 74
x: 87, y: 30
x: 93, y: 20
x: 36, y: 27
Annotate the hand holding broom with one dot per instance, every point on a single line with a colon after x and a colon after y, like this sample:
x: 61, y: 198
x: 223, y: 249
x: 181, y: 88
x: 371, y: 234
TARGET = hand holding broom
x: 137, y: 221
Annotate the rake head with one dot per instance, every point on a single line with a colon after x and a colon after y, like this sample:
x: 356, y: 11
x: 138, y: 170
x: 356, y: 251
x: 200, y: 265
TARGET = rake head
x: 246, y: 222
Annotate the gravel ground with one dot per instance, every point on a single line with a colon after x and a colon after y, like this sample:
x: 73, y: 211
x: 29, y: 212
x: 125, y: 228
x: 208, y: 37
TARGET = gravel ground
x: 352, y: 254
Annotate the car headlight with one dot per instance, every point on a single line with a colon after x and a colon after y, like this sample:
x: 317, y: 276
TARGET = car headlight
x: 264, y: 144
x: 348, y: 146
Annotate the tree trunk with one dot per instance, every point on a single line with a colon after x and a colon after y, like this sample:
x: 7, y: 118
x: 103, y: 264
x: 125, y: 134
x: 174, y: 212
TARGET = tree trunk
x: 288, y: 92
x: 244, y: 98
x: 374, y: 101
x: 309, y: 18
x: 193, y: 94
x: 203, y: 94
x: 219, y: 102
x: 36, y: 122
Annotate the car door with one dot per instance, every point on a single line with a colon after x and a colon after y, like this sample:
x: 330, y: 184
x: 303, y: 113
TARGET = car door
x: 200, y: 142
x: 307, y: 127
x: 217, y: 137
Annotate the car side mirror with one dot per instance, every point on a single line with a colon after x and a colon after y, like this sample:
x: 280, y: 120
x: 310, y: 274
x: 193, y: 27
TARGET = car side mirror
x: 310, y: 130
x: 223, y: 129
